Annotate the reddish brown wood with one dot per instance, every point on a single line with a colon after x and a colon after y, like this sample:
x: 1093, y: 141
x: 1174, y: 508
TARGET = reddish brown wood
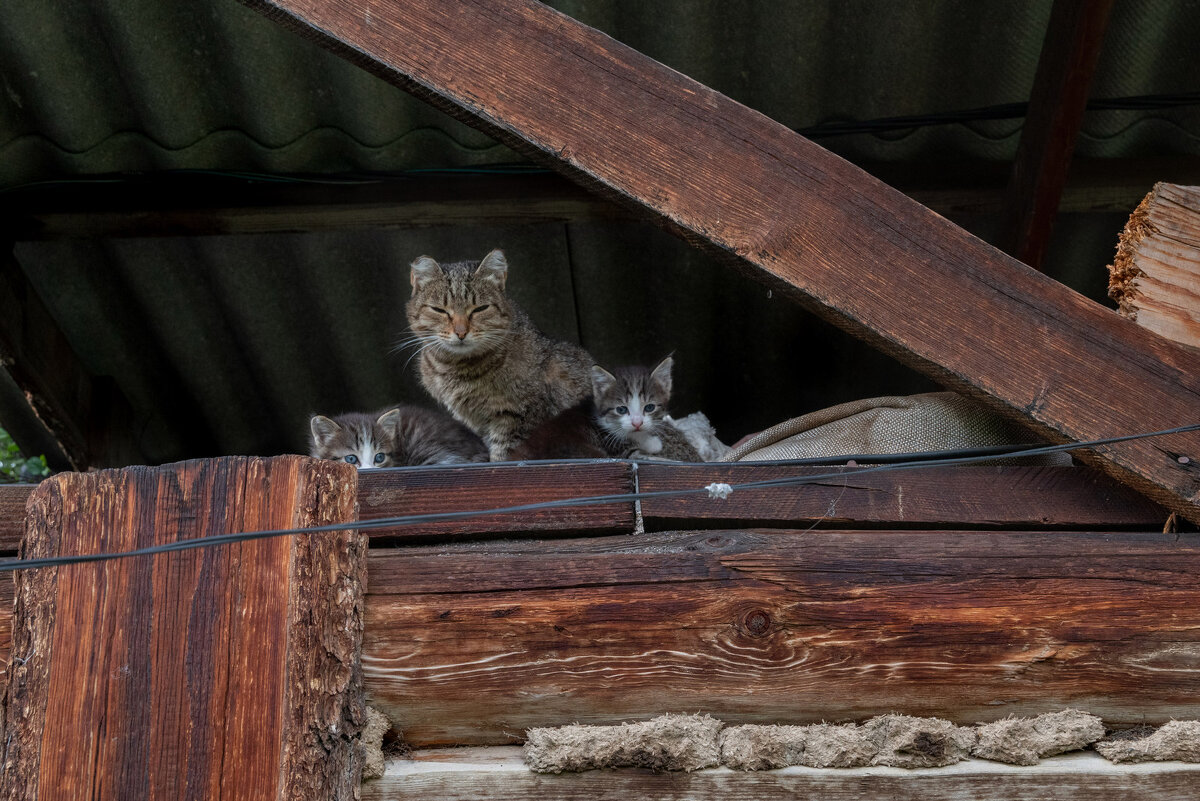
x: 1070, y: 52
x: 473, y: 644
x: 12, y: 515
x: 803, y: 220
x: 390, y: 493
x: 223, y: 672
x: 934, y: 497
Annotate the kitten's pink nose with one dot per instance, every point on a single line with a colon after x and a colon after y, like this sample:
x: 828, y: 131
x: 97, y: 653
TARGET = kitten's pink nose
x: 636, y: 422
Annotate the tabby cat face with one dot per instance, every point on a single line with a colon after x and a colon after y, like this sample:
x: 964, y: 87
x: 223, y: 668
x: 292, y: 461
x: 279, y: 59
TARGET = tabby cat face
x: 631, y: 399
x: 359, y: 439
x: 459, y: 309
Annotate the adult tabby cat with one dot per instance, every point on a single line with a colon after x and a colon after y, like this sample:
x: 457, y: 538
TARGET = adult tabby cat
x: 483, y: 359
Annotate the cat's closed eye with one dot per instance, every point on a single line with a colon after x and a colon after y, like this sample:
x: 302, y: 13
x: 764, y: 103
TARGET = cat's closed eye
x: 439, y: 311
x: 482, y: 308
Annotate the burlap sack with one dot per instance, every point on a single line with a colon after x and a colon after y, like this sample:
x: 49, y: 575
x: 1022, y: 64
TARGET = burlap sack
x: 934, y: 421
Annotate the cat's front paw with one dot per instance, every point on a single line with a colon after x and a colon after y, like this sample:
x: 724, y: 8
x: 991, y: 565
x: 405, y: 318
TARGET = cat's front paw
x: 648, y: 444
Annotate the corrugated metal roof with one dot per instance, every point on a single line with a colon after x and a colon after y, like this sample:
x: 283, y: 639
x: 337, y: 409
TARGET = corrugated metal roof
x: 225, y: 344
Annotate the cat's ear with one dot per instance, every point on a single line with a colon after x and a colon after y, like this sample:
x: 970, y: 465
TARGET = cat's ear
x: 422, y: 271
x: 662, y: 374
x: 602, y: 380
x: 323, y: 430
x: 494, y: 268
x: 389, y: 420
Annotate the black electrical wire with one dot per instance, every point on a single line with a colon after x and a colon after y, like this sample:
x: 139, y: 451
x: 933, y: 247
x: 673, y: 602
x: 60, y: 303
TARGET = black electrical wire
x: 595, y: 500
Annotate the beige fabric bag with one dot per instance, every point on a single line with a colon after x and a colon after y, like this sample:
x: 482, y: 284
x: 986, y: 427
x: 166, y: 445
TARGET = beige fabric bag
x: 933, y: 421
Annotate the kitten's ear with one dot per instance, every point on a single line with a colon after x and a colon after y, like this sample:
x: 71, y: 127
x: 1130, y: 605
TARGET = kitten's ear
x: 494, y: 268
x: 389, y: 420
x: 602, y: 380
x: 662, y: 374
x: 422, y: 271
x: 323, y: 430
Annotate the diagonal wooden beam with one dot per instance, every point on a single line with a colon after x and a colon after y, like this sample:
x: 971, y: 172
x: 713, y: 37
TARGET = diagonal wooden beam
x: 1058, y: 100
x: 804, y: 221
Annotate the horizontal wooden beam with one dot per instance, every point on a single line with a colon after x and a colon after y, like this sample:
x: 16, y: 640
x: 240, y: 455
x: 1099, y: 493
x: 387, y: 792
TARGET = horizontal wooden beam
x: 935, y: 497
x: 962, y: 498
x: 473, y: 644
x: 804, y: 221
x: 191, y: 205
x: 173, y: 205
x: 470, y: 774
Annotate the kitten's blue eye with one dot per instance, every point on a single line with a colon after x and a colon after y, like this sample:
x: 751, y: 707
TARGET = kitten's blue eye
x: 649, y: 407
x: 622, y: 410
x: 379, y: 457
x: 484, y: 307
x: 351, y: 459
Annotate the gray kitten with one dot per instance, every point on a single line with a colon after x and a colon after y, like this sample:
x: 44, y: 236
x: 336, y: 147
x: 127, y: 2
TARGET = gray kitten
x: 625, y: 417
x: 481, y: 356
x: 398, y: 435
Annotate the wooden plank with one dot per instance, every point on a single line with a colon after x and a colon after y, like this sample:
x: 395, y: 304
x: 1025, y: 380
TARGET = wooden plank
x: 809, y: 224
x: 156, y: 205
x: 408, y: 491
x: 469, y: 774
x: 430, y: 490
x: 1155, y: 277
x: 473, y: 644
x: 226, y: 672
x: 932, y: 497
x: 12, y: 515
x: 1057, y: 102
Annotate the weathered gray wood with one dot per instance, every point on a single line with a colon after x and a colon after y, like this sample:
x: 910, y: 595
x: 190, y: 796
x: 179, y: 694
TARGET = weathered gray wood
x: 469, y: 774
x: 806, y: 222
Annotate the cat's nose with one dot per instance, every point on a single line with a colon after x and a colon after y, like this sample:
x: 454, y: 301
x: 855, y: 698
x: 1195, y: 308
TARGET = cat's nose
x: 636, y: 422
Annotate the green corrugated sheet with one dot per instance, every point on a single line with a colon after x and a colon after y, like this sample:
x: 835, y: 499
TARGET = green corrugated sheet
x: 224, y: 344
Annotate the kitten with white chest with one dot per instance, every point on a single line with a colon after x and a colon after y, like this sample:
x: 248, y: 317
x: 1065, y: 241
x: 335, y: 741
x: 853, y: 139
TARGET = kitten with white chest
x: 624, y: 418
x: 396, y: 436
x: 483, y: 359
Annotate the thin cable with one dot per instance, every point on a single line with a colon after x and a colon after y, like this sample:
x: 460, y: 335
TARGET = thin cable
x: 594, y: 500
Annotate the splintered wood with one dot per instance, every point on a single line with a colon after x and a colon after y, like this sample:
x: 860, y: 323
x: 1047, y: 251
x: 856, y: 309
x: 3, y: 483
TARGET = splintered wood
x: 1155, y: 277
x: 227, y: 672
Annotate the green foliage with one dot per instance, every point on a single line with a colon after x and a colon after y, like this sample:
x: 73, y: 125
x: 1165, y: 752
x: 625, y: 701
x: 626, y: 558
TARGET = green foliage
x: 16, y: 468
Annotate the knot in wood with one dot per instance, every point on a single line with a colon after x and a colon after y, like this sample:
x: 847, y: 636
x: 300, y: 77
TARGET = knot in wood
x: 757, y: 623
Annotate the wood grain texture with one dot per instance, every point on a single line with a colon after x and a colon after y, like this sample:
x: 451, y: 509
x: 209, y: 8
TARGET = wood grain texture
x: 1070, y: 52
x: 936, y: 497
x: 804, y: 221
x: 473, y: 644
x: 468, y: 774
x: 1155, y: 277
x: 12, y: 515
x: 226, y: 672
x: 408, y: 491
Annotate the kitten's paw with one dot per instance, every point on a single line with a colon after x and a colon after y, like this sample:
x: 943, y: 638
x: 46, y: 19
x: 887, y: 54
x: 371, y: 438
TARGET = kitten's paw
x: 648, y: 444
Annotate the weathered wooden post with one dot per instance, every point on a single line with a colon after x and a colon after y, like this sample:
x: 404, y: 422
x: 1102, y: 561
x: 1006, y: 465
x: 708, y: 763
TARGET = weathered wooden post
x: 228, y: 671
